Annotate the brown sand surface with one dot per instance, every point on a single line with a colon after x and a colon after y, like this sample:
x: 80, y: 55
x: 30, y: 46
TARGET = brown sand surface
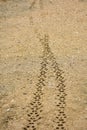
x: 43, y: 48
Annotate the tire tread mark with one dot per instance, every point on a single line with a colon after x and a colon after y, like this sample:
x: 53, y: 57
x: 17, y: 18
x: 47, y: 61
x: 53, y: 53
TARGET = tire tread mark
x: 36, y: 106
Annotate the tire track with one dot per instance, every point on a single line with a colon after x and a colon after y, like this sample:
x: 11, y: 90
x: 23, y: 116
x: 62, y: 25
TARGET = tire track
x: 60, y: 100
x: 36, y: 106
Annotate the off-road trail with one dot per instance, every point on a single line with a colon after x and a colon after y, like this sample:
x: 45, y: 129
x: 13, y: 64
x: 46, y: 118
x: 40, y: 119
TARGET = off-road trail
x: 43, y: 65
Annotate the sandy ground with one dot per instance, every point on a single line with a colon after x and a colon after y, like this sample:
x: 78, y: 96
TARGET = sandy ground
x: 22, y: 24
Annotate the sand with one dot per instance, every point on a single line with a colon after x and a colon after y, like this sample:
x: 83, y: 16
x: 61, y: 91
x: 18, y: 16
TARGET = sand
x: 43, y: 48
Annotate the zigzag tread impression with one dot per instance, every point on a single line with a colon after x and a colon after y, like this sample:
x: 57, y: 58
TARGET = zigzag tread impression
x: 36, y: 106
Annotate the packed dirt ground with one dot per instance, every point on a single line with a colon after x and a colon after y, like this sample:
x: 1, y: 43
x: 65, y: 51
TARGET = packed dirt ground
x: 39, y: 37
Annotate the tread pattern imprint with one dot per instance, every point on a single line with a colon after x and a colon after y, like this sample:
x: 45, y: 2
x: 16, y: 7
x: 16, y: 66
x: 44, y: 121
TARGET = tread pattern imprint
x: 37, y: 117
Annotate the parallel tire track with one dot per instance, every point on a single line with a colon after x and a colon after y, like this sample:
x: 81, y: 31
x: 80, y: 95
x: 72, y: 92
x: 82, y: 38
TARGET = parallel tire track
x: 36, y: 106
